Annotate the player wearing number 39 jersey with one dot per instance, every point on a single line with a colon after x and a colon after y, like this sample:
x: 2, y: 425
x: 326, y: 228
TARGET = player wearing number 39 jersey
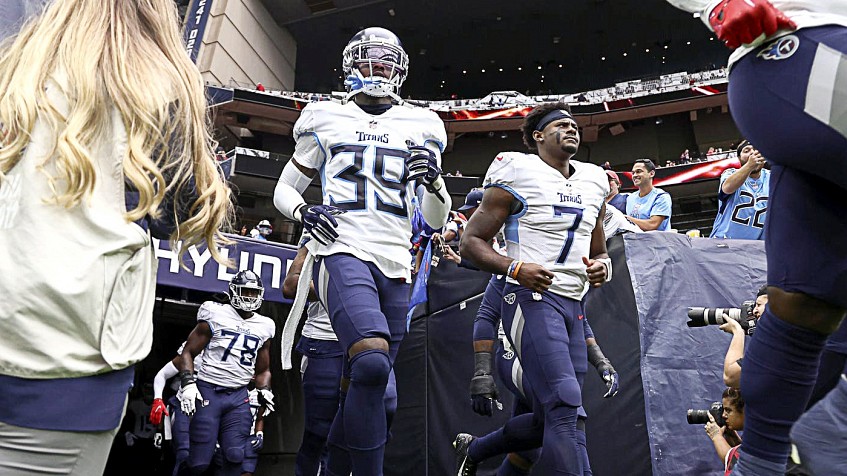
x: 235, y: 342
x: 371, y: 155
x: 552, y: 208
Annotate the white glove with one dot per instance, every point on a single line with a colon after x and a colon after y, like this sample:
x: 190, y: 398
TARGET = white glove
x: 190, y: 393
x: 266, y: 398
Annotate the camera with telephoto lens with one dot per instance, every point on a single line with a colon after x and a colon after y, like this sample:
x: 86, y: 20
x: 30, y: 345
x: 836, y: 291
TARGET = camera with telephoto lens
x: 705, y: 316
x: 701, y: 417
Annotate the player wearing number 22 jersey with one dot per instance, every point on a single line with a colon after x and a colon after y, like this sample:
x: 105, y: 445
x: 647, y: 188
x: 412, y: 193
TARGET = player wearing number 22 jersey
x: 235, y: 342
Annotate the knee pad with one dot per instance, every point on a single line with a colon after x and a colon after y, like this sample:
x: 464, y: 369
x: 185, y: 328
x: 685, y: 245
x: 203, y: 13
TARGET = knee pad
x: 569, y: 392
x: 370, y: 367
x: 234, y: 455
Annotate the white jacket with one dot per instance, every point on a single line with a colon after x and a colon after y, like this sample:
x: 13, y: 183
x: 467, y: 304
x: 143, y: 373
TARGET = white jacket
x: 77, y: 286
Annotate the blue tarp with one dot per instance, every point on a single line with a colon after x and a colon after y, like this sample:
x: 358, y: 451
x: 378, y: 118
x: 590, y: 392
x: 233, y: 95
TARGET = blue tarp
x: 682, y: 367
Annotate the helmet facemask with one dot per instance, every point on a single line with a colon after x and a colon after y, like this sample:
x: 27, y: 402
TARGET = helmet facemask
x: 246, y: 297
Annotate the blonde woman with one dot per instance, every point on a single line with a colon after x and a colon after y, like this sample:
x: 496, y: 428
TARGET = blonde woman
x: 104, y: 140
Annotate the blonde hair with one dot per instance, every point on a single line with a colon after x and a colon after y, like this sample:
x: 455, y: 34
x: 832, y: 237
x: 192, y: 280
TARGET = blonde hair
x: 126, y: 55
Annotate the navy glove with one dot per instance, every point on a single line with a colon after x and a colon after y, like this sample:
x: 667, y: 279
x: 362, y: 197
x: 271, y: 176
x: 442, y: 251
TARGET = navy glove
x: 604, y: 368
x: 612, y: 381
x: 422, y: 165
x: 483, y: 389
x: 319, y: 221
x: 258, y: 441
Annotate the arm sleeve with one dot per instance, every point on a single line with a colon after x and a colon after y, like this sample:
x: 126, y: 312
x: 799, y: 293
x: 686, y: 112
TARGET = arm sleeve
x: 166, y: 372
x: 436, y: 212
x: 589, y: 334
x: 662, y: 205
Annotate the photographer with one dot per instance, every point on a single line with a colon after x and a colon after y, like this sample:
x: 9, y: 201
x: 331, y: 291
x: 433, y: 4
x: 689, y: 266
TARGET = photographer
x: 725, y: 438
x: 735, y: 354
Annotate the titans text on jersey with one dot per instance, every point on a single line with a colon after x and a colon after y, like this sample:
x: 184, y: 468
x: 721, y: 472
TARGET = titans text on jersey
x: 554, y: 226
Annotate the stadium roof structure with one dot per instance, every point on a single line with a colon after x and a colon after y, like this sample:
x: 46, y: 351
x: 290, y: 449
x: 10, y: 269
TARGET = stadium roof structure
x: 470, y: 48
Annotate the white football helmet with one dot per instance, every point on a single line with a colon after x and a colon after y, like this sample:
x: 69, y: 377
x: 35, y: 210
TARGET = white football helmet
x: 368, y: 47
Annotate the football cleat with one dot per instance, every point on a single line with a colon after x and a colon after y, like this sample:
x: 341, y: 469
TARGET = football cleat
x: 464, y: 465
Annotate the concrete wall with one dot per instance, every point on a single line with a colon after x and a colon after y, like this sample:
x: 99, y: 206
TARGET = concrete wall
x: 243, y: 45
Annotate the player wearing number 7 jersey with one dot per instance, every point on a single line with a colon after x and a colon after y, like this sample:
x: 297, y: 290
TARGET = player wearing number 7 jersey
x: 552, y: 208
x: 237, y: 347
x: 370, y: 153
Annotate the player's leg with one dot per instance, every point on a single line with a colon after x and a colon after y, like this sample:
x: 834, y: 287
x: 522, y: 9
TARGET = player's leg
x: 28, y: 451
x: 394, y: 303
x: 179, y: 435
x: 321, y: 379
x: 518, y: 464
x: 795, y: 122
x: 203, y: 429
x: 548, y: 337
x: 583, y: 444
x: 821, y: 433
x: 832, y: 365
x: 347, y: 288
x: 234, y: 434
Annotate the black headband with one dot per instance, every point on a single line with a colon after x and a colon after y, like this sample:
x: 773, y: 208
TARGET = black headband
x: 741, y: 146
x: 551, y: 116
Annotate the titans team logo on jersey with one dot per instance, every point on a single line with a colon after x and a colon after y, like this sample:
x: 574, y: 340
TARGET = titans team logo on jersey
x: 509, y: 298
x: 780, y: 49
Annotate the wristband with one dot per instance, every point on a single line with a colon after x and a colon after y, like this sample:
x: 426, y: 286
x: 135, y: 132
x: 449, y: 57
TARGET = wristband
x: 186, y: 377
x: 514, y: 268
x: 483, y: 363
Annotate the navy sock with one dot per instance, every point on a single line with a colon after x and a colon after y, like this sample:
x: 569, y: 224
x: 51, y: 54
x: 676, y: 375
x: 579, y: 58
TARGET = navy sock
x: 561, y: 450
x: 337, y: 462
x: 583, y: 450
x: 365, y: 424
x: 309, y: 457
x: 777, y: 378
x: 520, y: 433
x: 508, y: 469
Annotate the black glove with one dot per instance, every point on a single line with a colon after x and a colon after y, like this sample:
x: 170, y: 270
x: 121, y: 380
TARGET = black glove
x: 483, y: 389
x: 605, y: 369
x: 319, y: 221
x: 422, y: 165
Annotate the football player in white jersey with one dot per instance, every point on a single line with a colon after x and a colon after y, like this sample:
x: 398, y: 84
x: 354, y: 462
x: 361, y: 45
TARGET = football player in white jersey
x: 552, y: 208
x: 370, y: 154
x: 786, y: 94
x: 236, y: 343
x: 179, y: 421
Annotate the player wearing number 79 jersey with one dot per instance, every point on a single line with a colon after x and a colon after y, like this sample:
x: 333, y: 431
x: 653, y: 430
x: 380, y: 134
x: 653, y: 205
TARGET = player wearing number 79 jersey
x: 237, y: 347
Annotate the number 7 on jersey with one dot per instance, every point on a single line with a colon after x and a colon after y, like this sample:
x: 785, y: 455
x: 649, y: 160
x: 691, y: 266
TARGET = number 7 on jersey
x: 568, y: 212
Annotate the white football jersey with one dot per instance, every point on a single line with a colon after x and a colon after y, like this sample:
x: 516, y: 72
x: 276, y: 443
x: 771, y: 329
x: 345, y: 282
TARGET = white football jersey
x: 615, y: 223
x: 554, y: 226
x: 230, y: 358
x: 317, y: 324
x: 805, y: 13
x: 361, y: 159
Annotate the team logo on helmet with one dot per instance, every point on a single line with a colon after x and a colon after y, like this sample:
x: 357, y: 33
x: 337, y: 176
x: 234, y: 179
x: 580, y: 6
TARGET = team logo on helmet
x: 780, y: 49
x: 246, y: 291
